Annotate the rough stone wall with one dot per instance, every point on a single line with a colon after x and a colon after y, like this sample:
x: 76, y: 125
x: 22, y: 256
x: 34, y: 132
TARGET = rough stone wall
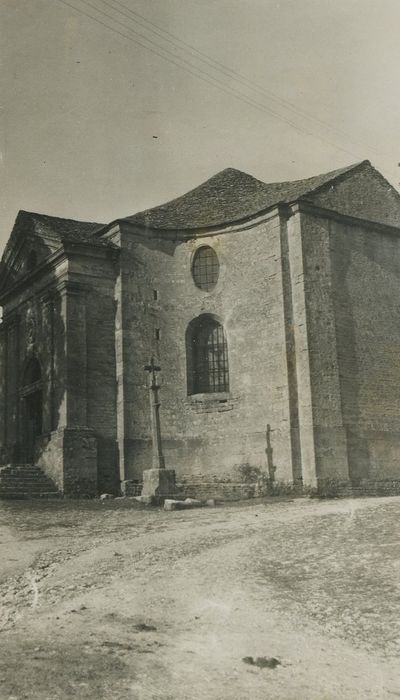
x: 91, y: 357
x: 366, y: 195
x: 366, y: 294
x: 352, y: 302
x: 80, y: 463
x: 204, y: 435
x: 69, y: 458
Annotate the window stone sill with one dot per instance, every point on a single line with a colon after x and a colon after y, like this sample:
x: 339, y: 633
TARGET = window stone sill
x: 211, y: 402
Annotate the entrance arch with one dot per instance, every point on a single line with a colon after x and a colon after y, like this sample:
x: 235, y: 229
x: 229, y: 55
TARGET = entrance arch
x: 32, y: 395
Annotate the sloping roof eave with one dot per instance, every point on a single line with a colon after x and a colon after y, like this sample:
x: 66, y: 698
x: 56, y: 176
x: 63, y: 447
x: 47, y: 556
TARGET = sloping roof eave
x: 230, y: 196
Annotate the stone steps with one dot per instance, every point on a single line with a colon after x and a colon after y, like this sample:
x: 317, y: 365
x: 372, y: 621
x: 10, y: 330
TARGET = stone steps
x: 20, y: 469
x: 26, y: 478
x: 27, y: 473
x: 26, y: 481
x: 20, y: 486
x: 27, y: 495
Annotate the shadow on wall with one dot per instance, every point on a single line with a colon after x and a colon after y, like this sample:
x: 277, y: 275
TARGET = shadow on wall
x: 39, y: 374
x: 357, y: 445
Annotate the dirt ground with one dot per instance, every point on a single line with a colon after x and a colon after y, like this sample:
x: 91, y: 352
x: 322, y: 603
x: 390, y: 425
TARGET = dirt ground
x: 109, y: 601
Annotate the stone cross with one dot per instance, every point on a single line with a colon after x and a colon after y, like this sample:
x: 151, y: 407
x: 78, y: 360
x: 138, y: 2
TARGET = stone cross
x: 158, y: 458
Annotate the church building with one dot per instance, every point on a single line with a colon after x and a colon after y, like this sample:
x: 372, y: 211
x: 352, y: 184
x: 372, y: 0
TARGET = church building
x: 273, y: 310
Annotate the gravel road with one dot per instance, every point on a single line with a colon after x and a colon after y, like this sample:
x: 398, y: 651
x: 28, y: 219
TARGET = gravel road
x: 270, y: 600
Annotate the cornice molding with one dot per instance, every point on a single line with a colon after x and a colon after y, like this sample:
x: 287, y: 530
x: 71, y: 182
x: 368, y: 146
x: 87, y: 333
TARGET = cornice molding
x: 306, y: 207
x: 188, y: 234
x: 71, y: 287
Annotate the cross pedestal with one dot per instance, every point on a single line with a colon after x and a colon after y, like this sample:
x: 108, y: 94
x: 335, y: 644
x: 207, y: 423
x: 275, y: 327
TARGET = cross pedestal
x: 158, y: 482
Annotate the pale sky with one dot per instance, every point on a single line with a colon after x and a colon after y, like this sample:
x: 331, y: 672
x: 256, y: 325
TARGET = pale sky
x: 81, y: 104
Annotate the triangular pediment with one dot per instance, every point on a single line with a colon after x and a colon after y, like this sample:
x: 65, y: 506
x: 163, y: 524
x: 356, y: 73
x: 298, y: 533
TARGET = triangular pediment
x: 34, y: 238
x: 25, y: 249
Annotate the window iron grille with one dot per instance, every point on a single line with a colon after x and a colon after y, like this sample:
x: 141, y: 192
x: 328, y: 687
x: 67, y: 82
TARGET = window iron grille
x: 205, y: 268
x: 210, y: 355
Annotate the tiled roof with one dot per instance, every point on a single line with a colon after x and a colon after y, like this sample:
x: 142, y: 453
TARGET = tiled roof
x: 62, y: 229
x: 53, y: 232
x: 229, y: 196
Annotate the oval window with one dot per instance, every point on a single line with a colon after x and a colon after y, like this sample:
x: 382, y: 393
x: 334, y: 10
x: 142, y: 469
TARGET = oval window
x: 205, y: 268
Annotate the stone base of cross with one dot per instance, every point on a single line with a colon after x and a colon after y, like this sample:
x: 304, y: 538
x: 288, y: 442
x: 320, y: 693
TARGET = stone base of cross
x: 159, y: 484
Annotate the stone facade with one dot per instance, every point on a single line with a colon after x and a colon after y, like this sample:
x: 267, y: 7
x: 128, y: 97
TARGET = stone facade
x: 308, y: 296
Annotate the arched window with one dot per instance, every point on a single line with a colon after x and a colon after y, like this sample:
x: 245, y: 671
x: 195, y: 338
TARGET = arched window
x: 205, y: 268
x: 208, y: 370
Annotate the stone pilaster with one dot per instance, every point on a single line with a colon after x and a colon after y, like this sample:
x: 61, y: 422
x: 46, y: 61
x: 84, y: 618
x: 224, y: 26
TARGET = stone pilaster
x: 303, y: 378
x: 69, y: 451
x: 290, y: 346
x: 3, y: 394
x: 76, y: 356
x: 120, y: 374
x: 12, y: 361
x: 323, y: 444
x: 60, y: 395
x: 48, y: 318
x: 72, y: 355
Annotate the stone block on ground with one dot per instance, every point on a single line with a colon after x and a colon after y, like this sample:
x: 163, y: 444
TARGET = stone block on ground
x: 106, y: 496
x: 146, y: 500
x: 194, y: 502
x: 172, y: 504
